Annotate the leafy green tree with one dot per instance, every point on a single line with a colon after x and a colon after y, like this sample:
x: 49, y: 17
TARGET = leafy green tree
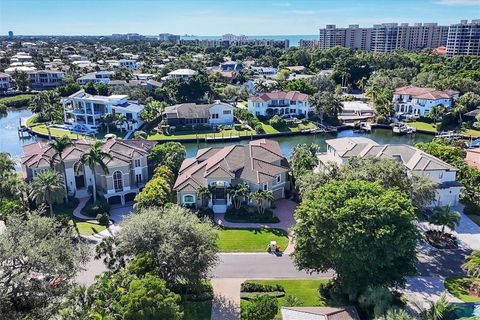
x: 101, y: 89
x: 20, y: 80
x: 48, y: 187
x: 68, y: 89
x: 158, y: 191
x: 364, y: 232
x: 93, y: 157
x: 469, y: 100
x: 304, y: 159
x: 237, y: 193
x: 263, y: 307
x: 170, y: 154
x: 90, y: 88
x: 184, y: 247
x: 148, y: 298
x: 37, y: 246
x: 445, y: 217
x: 472, y: 266
x: 436, y: 114
x: 301, y: 85
x: 7, y: 170
x: 326, y: 104
x: 153, y: 110
x: 59, y: 146
x: 377, y: 299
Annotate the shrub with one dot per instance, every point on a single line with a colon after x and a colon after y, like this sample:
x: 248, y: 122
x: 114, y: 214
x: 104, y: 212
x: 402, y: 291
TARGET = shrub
x: 227, y: 127
x: 238, y: 126
x: 103, y: 219
x: 16, y: 101
x: 259, y: 128
x: 471, y: 208
x: 248, y: 286
x: 252, y: 295
x: 277, y: 121
x: 205, y: 212
x: 202, y: 127
x: 94, y: 209
x: 199, y: 291
x: 260, y: 308
x: 3, y: 108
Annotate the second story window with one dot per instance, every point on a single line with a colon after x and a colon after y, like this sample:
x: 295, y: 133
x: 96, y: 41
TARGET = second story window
x: 214, y: 115
x: 117, y: 181
x: 138, y: 163
x: 265, y: 187
x: 279, y: 178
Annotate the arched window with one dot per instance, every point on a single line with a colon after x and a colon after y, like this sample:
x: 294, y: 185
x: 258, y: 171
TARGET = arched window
x: 118, y: 181
x: 188, y: 198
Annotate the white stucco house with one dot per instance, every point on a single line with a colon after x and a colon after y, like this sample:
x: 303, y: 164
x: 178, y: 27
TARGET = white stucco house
x: 418, y: 101
x: 217, y: 113
x: 129, y: 64
x: 291, y: 103
x: 183, y: 74
x: 96, y: 77
x: 414, y: 160
x: 83, y: 112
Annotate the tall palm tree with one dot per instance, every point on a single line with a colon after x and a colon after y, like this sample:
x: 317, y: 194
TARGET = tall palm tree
x: 120, y: 120
x: 361, y: 83
x: 472, y: 266
x: 395, y: 314
x: 95, y: 157
x: 59, y: 145
x: 48, y: 187
x: 262, y: 198
x: 237, y: 193
x: 205, y: 193
x: 445, y: 217
x: 108, y: 119
x: 458, y: 110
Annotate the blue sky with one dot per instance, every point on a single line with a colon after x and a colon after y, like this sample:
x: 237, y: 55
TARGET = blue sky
x: 216, y: 17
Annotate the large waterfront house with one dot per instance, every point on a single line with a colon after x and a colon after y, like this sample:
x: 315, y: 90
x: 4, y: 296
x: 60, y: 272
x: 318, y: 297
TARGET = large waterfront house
x: 83, y: 112
x: 96, y: 77
x: 5, y: 81
x: 46, y: 79
x: 183, y: 74
x: 414, y: 160
x: 217, y: 113
x: 418, y: 101
x: 127, y: 170
x: 292, y: 103
x: 259, y: 164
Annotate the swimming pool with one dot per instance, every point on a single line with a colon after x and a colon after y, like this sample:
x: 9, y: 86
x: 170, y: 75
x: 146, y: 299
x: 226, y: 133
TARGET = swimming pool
x: 467, y: 311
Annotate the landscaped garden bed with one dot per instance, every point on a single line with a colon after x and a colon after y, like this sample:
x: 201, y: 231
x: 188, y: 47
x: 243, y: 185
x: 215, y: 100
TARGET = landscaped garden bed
x: 464, y: 288
x: 247, y: 214
x: 441, y: 240
x: 250, y: 240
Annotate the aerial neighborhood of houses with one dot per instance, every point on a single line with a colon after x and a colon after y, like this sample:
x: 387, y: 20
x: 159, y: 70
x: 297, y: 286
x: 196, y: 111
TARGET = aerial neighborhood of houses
x: 342, y: 169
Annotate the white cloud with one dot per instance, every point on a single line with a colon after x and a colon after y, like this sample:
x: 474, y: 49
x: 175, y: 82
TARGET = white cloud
x: 458, y: 2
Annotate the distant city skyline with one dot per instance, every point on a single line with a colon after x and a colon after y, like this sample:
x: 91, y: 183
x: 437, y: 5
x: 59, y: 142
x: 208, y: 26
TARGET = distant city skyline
x: 215, y: 17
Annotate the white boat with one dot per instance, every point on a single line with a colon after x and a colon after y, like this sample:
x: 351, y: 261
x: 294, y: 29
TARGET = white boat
x: 402, y: 128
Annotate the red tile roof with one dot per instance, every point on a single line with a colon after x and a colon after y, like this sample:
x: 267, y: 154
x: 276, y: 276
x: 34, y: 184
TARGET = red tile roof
x: 425, y: 93
x: 280, y: 95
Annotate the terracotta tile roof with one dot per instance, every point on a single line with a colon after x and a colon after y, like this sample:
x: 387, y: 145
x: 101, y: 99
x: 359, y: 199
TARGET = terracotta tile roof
x: 41, y: 154
x: 258, y: 162
x: 280, y: 95
x: 425, y: 93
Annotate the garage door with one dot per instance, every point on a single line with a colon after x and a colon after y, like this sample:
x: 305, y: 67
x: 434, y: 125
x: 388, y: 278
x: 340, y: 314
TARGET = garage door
x: 130, y: 196
x: 115, y: 200
x: 278, y: 194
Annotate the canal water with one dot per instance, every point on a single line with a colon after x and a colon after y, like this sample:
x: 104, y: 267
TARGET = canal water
x: 10, y: 141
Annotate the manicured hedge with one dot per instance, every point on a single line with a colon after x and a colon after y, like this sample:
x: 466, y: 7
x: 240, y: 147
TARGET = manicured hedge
x: 258, y: 287
x: 98, y: 208
x: 19, y: 101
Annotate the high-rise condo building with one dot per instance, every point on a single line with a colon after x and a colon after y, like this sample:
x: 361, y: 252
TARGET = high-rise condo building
x: 464, y: 38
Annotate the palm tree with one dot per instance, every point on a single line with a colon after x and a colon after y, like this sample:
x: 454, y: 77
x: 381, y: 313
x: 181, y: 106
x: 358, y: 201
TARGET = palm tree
x: 436, y: 114
x: 445, y: 217
x: 458, y: 110
x: 48, y: 187
x: 95, y: 157
x: 59, y: 145
x: 325, y: 103
x: 262, y: 198
x: 395, y: 314
x: 361, y: 83
x: 108, y: 119
x: 237, y: 193
x: 120, y: 120
x: 440, y: 310
x: 205, y: 193
x: 472, y: 266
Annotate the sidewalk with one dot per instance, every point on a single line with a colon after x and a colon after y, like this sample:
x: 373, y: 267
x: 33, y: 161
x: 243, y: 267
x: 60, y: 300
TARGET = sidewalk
x: 226, y: 299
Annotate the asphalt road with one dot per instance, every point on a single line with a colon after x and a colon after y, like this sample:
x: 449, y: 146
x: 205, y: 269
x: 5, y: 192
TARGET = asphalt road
x: 442, y: 263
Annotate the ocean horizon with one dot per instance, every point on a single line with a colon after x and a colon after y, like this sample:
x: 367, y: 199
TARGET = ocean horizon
x: 294, y: 39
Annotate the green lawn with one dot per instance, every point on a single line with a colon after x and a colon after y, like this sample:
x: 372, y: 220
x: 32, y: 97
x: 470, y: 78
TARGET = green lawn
x: 422, y: 126
x: 197, y: 310
x: 456, y: 286
x: 199, y: 134
x: 250, y: 240
x: 471, y: 132
x: 41, y: 128
x: 304, y: 290
x: 269, y: 129
x: 87, y: 228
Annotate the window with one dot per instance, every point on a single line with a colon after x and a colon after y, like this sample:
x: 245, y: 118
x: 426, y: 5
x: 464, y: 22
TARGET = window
x: 118, y: 181
x: 188, y: 198
x: 227, y: 111
x: 279, y: 178
x: 138, y: 178
x: 214, y: 115
x: 137, y: 163
x: 293, y: 110
x: 265, y: 187
x: 440, y: 175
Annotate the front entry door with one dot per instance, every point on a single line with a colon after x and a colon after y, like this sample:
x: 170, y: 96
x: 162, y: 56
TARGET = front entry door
x: 80, y: 181
x: 219, y: 193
